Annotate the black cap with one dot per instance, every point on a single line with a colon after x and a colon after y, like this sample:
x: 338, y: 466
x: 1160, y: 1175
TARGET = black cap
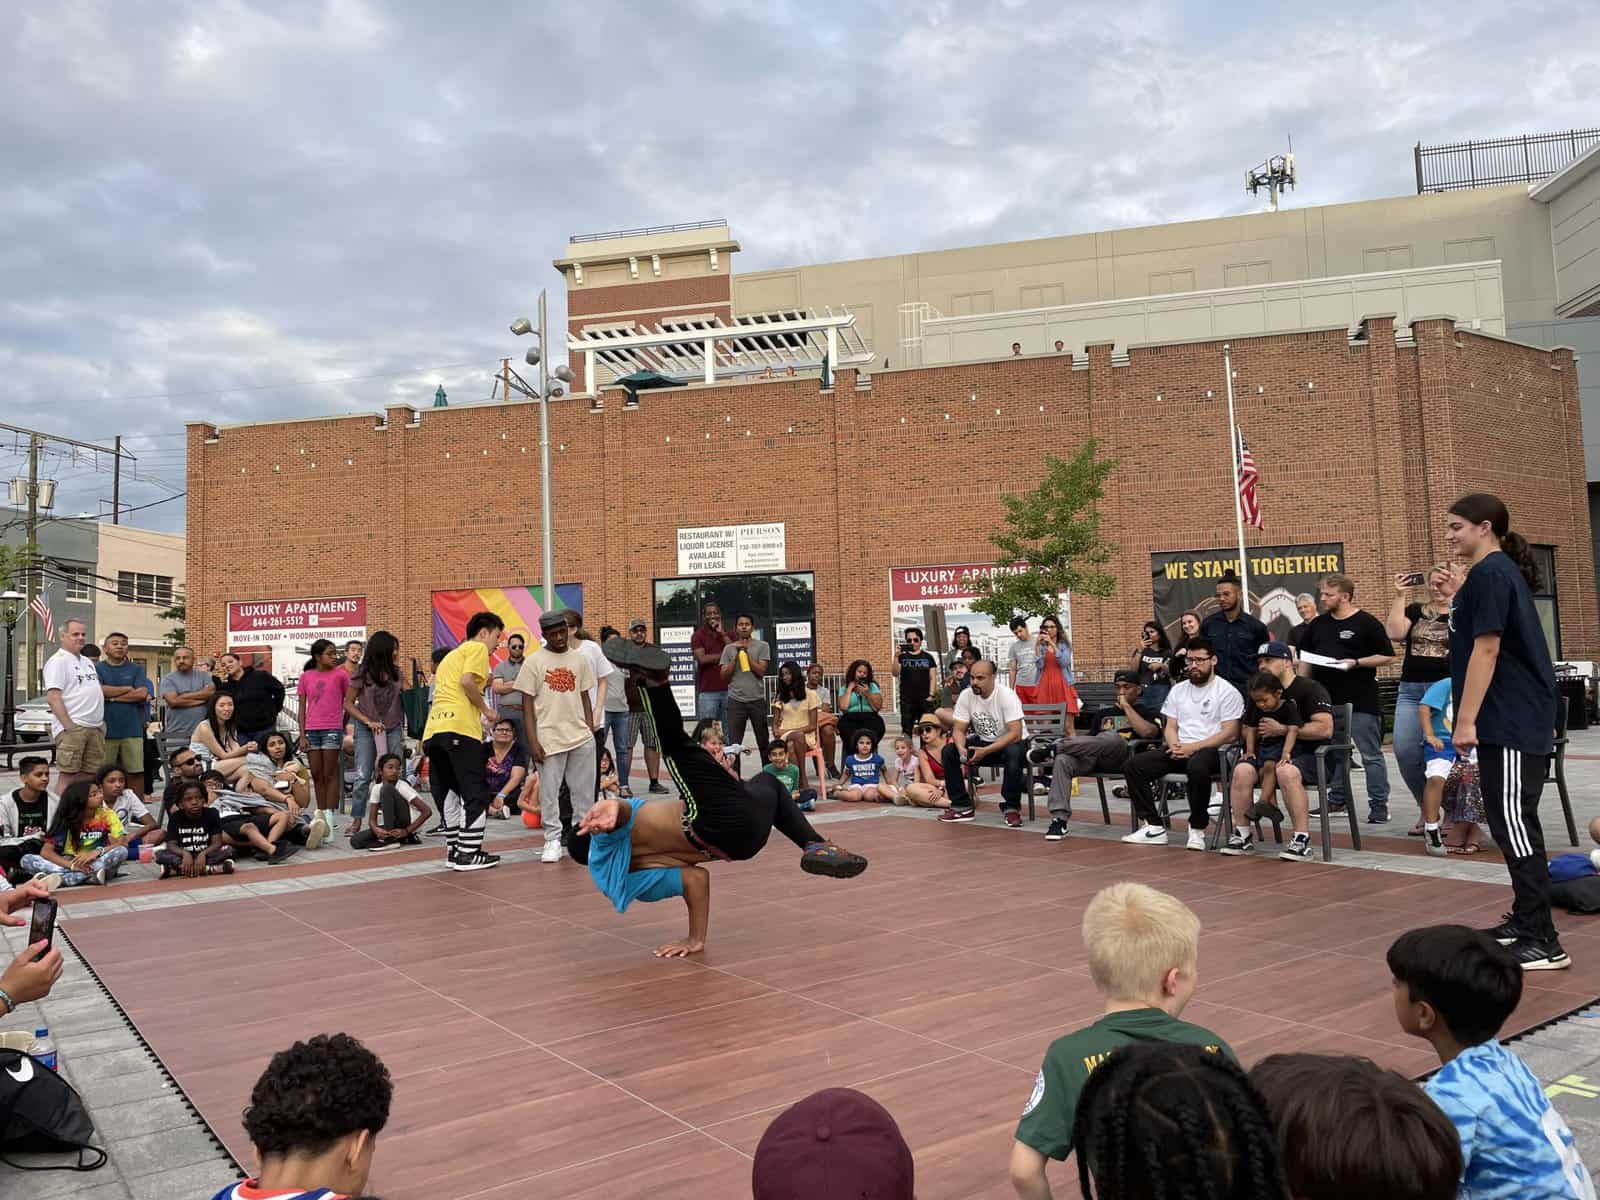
x: 1126, y: 677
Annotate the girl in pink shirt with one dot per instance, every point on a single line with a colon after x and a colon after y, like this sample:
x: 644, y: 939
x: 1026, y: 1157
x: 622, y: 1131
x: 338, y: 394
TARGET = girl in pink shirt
x: 321, y: 690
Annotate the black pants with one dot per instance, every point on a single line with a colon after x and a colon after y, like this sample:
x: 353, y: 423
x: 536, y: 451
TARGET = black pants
x: 1146, y: 767
x: 455, y: 764
x: 11, y: 856
x: 1512, y: 781
x: 1012, y: 759
x: 911, y: 712
x: 753, y: 713
x: 726, y: 817
x: 853, y: 723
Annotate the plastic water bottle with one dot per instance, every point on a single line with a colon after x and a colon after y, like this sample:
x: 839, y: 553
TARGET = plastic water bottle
x: 44, y: 1049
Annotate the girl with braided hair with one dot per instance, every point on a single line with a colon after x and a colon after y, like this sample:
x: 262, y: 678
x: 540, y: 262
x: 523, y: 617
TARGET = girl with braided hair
x: 1167, y: 1121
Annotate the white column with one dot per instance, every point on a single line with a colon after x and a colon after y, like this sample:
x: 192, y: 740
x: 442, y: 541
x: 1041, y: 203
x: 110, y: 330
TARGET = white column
x: 711, y: 362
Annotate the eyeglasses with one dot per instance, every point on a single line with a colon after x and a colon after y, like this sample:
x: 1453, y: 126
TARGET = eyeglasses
x: 187, y: 762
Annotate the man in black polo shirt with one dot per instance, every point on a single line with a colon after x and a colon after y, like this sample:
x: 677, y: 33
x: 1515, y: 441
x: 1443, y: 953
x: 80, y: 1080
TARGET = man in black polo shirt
x: 1234, y: 634
x: 916, y: 670
x: 1311, y: 700
x: 1357, y: 643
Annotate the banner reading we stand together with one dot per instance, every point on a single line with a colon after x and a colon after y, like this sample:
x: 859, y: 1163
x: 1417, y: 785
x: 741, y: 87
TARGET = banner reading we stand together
x: 1186, y: 580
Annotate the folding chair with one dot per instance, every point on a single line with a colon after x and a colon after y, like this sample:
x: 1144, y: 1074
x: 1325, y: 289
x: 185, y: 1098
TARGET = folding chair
x: 1558, y: 768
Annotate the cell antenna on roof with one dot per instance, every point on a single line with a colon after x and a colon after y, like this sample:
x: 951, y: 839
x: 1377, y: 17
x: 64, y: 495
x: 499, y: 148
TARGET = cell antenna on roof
x: 1275, y: 174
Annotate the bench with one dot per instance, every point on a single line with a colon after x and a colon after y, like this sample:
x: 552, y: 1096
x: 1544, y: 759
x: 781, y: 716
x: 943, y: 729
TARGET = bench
x: 1047, y: 722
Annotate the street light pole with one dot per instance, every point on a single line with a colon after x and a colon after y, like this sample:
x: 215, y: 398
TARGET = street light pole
x: 547, y: 563
x: 8, y: 617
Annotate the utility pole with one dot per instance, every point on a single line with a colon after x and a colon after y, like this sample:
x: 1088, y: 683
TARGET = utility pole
x: 505, y: 381
x: 116, y: 482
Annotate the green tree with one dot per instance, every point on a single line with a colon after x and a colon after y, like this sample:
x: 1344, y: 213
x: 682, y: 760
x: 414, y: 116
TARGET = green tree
x: 178, y: 614
x: 1053, y: 533
x: 14, y: 561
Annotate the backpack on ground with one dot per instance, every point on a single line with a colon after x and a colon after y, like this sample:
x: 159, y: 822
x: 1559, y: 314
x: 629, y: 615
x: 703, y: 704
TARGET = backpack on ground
x: 41, y: 1113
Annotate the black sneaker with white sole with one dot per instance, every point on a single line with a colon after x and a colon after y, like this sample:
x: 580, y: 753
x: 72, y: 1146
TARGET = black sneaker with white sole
x: 629, y: 655
x: 477, y: 861
x: 1239, y: 844
x: 1298, y: 849
x: 1534, y: 955
x: 1506, y: 932
x: 1057, y: 831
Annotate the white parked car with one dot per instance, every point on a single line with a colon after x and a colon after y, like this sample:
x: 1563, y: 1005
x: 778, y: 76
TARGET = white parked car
x: 33, y: 720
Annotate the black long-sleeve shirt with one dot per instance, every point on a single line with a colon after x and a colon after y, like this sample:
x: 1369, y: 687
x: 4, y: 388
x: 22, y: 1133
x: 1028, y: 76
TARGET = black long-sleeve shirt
x: 257, y: 698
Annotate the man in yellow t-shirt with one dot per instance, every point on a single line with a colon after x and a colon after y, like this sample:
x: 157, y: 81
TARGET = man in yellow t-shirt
x: 453, y: 742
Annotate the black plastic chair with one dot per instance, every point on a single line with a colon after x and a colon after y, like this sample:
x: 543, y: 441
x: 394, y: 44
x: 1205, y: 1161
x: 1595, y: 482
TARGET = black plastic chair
x: 1558, y: 769
x: 1336, y: 747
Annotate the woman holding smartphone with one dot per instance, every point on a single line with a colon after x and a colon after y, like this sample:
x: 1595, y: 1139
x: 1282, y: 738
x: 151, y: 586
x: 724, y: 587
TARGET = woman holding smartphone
x: 860, y: 702
x: 1150, y: 660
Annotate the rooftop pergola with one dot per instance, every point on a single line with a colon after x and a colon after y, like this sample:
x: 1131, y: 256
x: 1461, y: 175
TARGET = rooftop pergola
x: 705, y: 349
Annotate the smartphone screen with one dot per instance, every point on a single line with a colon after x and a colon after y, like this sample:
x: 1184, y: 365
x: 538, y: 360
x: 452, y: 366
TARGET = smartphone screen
x: 43, y: 928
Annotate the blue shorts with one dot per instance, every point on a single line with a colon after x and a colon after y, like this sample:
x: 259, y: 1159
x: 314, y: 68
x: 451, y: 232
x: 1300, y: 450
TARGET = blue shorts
x: 1267, y: 752
x: 325, y: 739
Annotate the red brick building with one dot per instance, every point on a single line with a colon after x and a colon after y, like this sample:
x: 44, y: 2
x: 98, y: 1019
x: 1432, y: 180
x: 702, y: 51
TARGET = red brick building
x: 1360, y: 440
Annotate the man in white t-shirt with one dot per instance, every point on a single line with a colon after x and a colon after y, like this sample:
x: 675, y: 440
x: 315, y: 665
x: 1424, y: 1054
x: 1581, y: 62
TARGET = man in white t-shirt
x: 988, y: 730
x: 1202, y: 715
x: 77, y: 708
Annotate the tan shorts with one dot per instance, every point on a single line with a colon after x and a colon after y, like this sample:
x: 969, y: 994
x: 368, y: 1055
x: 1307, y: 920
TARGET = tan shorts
x: 81, y: 750
x: 127, y: 753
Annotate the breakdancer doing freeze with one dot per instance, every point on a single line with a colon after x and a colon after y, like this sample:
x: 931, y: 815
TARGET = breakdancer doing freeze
x: 645, y: 849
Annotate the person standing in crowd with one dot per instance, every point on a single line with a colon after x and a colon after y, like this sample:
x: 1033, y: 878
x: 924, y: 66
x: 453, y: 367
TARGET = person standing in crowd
x: 184, y: 692
x: 605, y: 676
x: 1188, y: 630
x: 453, y: 741
x: 1149, y: 663
x: 638, y: 726
x: 1022, y: 658
x: 707, y: 645
x: 257, y: 697
x: 1504, y: 686
x: 351, y: 662
x: 1107, y: 749
x: 1306, y: 605
x: 1202, y: 715
x: 1234, y: 634
x: 77, y: 708
x: 744, y: 665
x: 555, y: 683
x: 1053, y: 654
x: 373, y: 703
x: 1424, y: 630
x: 917, y: 671
x: 127, y: 690
x: 1356, y: 641
x: 321, y: 691
x: 503, y: 683
x: 617, y: 722
x: 860, y: 702
x: 959, y: 641
x: 993, y: 713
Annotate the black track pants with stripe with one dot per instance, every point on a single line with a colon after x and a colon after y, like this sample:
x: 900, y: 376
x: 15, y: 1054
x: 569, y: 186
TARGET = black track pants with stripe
x: 1512, y: 781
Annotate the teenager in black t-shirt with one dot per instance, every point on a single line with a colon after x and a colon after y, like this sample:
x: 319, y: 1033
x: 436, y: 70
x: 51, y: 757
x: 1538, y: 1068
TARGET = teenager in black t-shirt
x: 914, y: 667
x: 1504, y: 686
x: 26, y: 814
x: 1359, y: 645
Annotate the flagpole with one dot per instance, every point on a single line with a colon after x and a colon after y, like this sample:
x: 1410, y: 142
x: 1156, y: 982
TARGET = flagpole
x: 1233, y: 457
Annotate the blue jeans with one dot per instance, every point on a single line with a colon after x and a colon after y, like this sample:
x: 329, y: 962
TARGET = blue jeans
x: 1366, y: 731
x: 713, y: 705
x: 109, y: 862
x: 1408, y: 737
x: 394, y: 742
x: 620, y: 726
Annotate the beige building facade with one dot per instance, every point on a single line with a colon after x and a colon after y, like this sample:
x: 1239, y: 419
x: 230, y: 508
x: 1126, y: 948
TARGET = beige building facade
x: 141, y: 575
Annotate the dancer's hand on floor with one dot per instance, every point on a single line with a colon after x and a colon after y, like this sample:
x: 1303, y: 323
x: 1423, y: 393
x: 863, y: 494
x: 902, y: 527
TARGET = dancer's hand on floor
x: 681, y: 949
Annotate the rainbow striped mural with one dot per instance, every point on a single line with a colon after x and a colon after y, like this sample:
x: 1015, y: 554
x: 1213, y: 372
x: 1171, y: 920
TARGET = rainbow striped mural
x: 518, y: 607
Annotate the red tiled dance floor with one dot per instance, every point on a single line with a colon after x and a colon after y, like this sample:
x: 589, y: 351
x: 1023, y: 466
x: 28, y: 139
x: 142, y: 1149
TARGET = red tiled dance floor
x: 540, y: 1050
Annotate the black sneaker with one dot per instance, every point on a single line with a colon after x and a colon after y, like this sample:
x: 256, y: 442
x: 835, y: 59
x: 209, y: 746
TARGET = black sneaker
x: 1057, y: 830
x: 631, y: 656
x: 1506, y: 932
x: 1378, y: 816
x: 437, y: 831
x: 657, y: 788
x: 285, y: 850
x: 824, y: 858
x: 1298, y: 849
x: 1433, y: 842
x: 1534, y: 955
x: 1239, y: 844
x: 1041, y: 750
x: 478, y: 861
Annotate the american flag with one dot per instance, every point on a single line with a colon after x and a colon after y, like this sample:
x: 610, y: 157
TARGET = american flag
x: 1247, y: 485
x: 41, y: 609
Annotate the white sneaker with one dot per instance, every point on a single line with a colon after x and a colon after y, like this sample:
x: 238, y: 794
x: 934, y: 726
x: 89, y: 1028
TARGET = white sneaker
x: 1197, y: 839
x: 1146, y: 835
x: 552, y: 852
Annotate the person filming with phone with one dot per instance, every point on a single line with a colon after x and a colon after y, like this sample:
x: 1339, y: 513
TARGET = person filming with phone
x: 918, y: 673
x: 34, y: 972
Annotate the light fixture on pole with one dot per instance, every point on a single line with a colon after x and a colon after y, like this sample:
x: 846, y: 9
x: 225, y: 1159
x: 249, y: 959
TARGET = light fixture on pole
x: 535, y: 357
x: 11, y: 603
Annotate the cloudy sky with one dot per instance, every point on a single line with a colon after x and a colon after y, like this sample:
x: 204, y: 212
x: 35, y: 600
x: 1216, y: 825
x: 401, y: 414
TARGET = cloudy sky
x: 238, y: 211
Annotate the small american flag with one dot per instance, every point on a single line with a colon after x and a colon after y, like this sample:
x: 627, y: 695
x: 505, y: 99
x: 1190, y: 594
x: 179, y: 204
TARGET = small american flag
x: 1247, y: 485
x: 41, y: 609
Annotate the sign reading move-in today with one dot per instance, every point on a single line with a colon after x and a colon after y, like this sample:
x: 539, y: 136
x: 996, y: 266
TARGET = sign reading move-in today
x: 729, y: 549
x: 284, y: 629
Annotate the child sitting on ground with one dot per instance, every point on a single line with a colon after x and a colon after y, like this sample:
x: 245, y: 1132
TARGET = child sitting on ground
x: 194, y: 843
x: 24, y: 816
x: 1455, y: 987
x: 788, y: 774
x: 1393, y: 1140
x: 904, y: 769
x: 1264, y: 754
x: 865, y: 772
x: 137, y: 820
x: 709, y: 734
x: 1144, y: 951
x: 610, y: 789
x: 84, y: 843
x: 245, y: 824
x: 314, y: 1119
x: 392, y: 801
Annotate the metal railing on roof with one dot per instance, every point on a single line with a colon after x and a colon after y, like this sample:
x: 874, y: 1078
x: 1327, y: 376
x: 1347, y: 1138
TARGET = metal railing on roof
x: 646, y: 231
x: 1456, y: 166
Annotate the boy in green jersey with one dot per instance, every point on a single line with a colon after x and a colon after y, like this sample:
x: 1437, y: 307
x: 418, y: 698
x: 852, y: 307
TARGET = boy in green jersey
x: 1144, y: 957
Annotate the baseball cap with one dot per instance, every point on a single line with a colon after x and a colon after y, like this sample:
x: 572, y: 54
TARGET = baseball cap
x: 638, y: 623
x: 1275, y: 650
x: 1125, y: 677
x: 836, y: 1142
x: 551, y: 619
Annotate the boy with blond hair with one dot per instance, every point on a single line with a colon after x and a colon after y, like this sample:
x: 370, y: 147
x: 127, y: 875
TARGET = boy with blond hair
x: 1144, y: 950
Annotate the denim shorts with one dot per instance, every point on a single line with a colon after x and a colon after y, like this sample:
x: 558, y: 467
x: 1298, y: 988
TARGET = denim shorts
x: 325, y: 739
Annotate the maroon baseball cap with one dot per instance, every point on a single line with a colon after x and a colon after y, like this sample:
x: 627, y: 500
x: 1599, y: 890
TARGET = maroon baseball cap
x: 836, y: 1143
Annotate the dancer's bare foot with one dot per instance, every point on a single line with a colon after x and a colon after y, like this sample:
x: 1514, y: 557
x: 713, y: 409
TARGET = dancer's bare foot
x: 680, y: 949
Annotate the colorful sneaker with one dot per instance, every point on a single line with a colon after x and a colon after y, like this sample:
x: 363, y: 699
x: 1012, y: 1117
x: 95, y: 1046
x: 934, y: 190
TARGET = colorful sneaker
x: 952, y: 815
x: 1298, y: 849
x: 1239, y: 844
x: 1013, y: 818
x: 1540, y: 955
x: 1433, y: 842
x: 1057, y: 831
x: 824, y: 858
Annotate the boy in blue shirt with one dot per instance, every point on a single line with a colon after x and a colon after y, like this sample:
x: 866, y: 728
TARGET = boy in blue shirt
x: 1455, y: 987
x: 1436, y: 714
x: 652, y: 849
